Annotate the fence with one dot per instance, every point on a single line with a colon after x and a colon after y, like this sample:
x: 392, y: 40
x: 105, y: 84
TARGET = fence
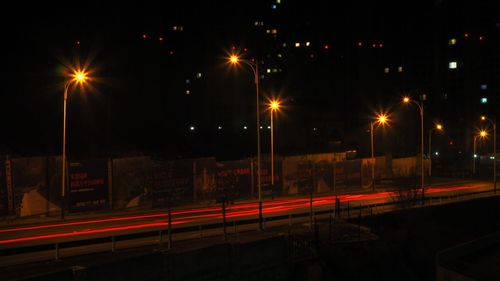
x: 32, y: 186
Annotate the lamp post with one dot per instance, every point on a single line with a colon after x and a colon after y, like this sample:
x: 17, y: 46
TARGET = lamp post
x: 274, y: 106
x: 438, y: 127
x: 420, y: 106
x: 493, y: 123
x: 381, y: 119
x: 234, y: 59
x: 79, y: 77
x: 482, y: 134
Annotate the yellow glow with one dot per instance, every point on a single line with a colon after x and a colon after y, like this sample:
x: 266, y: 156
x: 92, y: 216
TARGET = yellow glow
x: 274, y: 105
x: 483, y: 133
x: 234, y: 59
x: 439, y: 126
x: 483, y: 117
x: 80, y: 76
x: 382, y: 119
x: 406, y: 99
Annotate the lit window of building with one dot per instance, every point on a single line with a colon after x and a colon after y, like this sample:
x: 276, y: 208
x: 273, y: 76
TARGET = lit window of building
x: 245, y: 127
x: 191, y: 128
x: 400, y: 69
x: 198, y: 75
x: 278, y: 1
x: 297, y: 45
x: 188, y: 92
x: 452, y: 41
x: 308, y: 43
x: 268, y: 31
x: 274, y: 6
x: 484, y: 100
x: 275, y: 70
x: 274, y: 31
x: 284, y: 45
x: 188, y: 81
x: 268, y: 70
x: 484, y: 87
x: 386, y: 70
x: 279, y: 55
x: 177, y: 28
x: 452, y: 65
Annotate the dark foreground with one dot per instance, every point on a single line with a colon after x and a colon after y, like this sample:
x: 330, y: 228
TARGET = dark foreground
x: 401, y: 245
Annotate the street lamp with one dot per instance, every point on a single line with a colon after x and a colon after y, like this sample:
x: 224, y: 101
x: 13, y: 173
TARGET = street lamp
x: 381, y: 120
x: 438, y: 127
x: 420, y: 106
x: 78, y: 77
x: 234, y: 59
x: 274, y: 106
x: 493, y: 123
x: 482, y: 134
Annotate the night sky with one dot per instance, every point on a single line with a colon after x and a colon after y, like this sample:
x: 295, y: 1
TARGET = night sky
x: 137, y: 101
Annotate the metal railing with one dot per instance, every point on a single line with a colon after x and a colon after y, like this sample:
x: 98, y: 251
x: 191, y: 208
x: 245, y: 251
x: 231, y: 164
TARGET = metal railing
x: 348, y: 210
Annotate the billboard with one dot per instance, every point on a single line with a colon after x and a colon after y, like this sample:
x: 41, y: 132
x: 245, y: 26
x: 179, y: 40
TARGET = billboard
x: 3, y: 188
x: 265, y: 166
x: 234, y: 179
x: 88, y: 185
x: 131, y: 181
x: 172, y: 182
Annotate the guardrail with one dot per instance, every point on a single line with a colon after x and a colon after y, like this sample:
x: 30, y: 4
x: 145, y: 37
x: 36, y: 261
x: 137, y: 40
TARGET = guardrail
x: 348, y: 210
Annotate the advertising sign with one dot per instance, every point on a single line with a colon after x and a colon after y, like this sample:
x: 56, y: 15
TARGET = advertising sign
x: 172, y: 182
x: 88, y: 185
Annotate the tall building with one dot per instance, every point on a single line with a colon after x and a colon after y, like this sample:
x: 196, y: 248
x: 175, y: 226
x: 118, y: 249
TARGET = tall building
x: 466, y: 69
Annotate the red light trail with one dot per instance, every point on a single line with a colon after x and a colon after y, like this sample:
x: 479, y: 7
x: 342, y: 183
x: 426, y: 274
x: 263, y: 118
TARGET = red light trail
x: 181, y: 217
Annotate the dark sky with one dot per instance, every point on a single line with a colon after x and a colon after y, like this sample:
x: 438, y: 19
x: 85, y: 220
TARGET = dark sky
x: 137, y: 100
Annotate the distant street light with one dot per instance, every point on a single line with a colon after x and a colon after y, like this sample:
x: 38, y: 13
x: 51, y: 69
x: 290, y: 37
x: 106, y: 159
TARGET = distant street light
x: 234, y: 59
x: 274, y: 106
x: 381, y: 120
x: 78, y: 77
x: 420, y: 106
x: 482, y: 134
x: 493, y: 123
x: 438, y: 127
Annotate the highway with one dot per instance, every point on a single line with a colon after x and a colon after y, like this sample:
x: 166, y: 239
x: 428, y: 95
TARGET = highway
x: 198, y: 218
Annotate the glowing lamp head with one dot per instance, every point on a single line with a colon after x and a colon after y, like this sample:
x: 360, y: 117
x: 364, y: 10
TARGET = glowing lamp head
x: 234, y: 59
x: 79, y: 76
x: 382, y: 119
x: 406, y: 99
x: 439, y: 127
x: 483, y: 133
x: 274, y: 105
x: 483, y: 118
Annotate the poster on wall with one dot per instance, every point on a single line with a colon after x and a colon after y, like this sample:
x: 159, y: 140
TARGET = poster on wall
x: 3, y: 188
x: 172, y: 182
x: 234, y: 179
x: 267, y: 188
x: 88, y: 185
x: 305, y: 177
